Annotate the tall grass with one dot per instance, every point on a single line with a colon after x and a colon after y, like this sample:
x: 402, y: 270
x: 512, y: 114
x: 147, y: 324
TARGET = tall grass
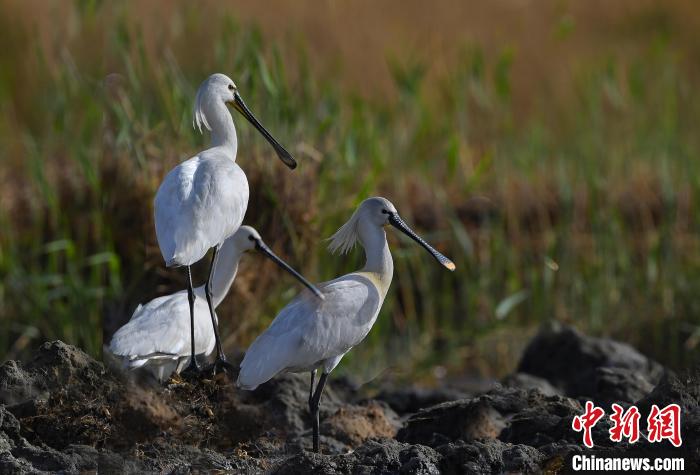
x: 580, y: 211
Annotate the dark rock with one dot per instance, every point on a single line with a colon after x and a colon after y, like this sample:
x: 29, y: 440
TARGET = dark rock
x: 166, y: 458
x: 110, y: 462
x: 350, y: 426
x: 55, y: 366
x: 84, y: 457
x: 537, y: 428
x: 28, y: 408
x: 511, y: 401
x: 17, y: 455
x: 466, y: 419
x: 559, y: 449
x: 9, y: 426
x: 489, y: 456
x: 60, y: 362
x: 281, y: 407
x: 683, y: 390
x: 533, y: 418
x: 345, y: 388
x: 329, y: 445
x: 619, y: 385
x: 528, y: 381
x: 375, y: 456
x: 569, y: 360
x: 419, y: 459
x: 512, y: 415
x: 285, y: 400
x: 46, y: 459
x: 65, y: 413
x: 16, y: 385
x: 11, y: 465
x: 410, y: 400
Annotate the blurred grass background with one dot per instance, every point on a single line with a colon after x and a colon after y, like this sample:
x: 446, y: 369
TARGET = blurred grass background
x: 549, y: 148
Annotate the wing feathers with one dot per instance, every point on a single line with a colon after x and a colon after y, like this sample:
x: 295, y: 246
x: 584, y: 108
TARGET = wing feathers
x: 308, y: 332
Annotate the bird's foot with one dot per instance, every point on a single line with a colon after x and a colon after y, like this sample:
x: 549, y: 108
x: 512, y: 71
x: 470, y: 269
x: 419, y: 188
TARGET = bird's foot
x: 222, y: 366
x: 193, y: 371
x: 175, y: 379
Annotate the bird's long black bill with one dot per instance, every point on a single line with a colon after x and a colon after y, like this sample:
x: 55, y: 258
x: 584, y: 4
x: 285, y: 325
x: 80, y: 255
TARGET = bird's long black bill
x: 396, y: 221
x: 262, y: 247
x: 281, y: 151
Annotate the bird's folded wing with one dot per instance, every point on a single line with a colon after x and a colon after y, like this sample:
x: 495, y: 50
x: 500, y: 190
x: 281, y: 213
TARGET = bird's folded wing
x: 160, y: 327
x: 308, y: 331
x: 200, y: 203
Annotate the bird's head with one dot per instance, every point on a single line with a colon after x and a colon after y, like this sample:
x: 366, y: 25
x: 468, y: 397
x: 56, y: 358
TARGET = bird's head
x: 376, y: 210
x: 379, y: 212
x: 247, y: 238
x: 219, y: 88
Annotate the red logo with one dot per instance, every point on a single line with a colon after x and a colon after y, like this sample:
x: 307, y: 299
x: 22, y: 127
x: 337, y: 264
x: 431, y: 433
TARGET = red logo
x: 662, y: 424
x: 665, y: 424
x: 586, y: 422
x: 625, y: 424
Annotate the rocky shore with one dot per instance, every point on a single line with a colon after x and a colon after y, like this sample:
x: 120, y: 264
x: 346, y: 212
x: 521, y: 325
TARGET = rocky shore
x: 65, y: 412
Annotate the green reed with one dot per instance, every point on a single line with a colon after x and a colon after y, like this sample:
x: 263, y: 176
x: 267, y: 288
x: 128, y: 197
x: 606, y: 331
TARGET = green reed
x: 580, y: 212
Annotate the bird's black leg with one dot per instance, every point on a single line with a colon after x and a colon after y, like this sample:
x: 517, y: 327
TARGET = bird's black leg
x: 311, y: 389
x: 193, y: 367
x: 313, y: 407
x: 220, y: 363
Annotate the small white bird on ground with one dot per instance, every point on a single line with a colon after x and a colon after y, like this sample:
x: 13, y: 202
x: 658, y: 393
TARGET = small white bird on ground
x: 157, y: 336
x: 202, y: 201
x: 309, y: 333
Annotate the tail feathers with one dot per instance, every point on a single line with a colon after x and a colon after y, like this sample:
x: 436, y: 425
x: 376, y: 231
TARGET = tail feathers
x: 266, y: 358
x: 172, y: 258
x: 133, y: 362
x: 160, y: 365
x: 185, y: 258
x: 172, y: 262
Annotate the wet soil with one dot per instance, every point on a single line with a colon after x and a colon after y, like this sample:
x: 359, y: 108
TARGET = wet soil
x: 63, y: 412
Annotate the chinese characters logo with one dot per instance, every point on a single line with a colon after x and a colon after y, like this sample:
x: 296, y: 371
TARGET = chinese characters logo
x: 662, y: 424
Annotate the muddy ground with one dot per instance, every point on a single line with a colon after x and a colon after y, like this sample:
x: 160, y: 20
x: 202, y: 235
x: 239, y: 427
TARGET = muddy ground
x: 65, y: 412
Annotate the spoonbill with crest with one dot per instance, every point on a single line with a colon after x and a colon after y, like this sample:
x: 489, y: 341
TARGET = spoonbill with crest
x: 202, y: 201
x: 156, y: 336
x: 309, y: 333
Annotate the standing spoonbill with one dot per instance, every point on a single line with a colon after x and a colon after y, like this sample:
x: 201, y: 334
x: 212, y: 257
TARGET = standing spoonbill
x: 202, y: 201
x: 155, y: 337
x: 309, y: 333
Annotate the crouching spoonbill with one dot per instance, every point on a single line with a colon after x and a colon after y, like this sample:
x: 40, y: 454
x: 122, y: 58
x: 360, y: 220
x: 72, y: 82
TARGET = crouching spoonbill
x: 309, y: 333
x: 202, y: 201
x: 156, y: 336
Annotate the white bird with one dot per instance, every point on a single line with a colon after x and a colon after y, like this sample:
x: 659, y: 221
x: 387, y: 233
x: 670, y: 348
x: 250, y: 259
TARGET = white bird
x: 310, y: 333
x: 202, y: 201
x: 156, y: 337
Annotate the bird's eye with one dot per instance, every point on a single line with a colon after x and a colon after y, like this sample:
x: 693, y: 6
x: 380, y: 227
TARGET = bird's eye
x: 230, y: 87
x: 251, y: 238
x: 384, y: 211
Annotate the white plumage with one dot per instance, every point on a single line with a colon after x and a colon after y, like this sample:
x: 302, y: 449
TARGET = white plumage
x: 157, y: 336
x: 202, y: 201
x: 308, y: 333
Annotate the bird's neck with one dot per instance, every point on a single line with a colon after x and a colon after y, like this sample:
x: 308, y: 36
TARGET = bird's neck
x: 378, y: 257
x: 226, y: 267
x: 223, y: 132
